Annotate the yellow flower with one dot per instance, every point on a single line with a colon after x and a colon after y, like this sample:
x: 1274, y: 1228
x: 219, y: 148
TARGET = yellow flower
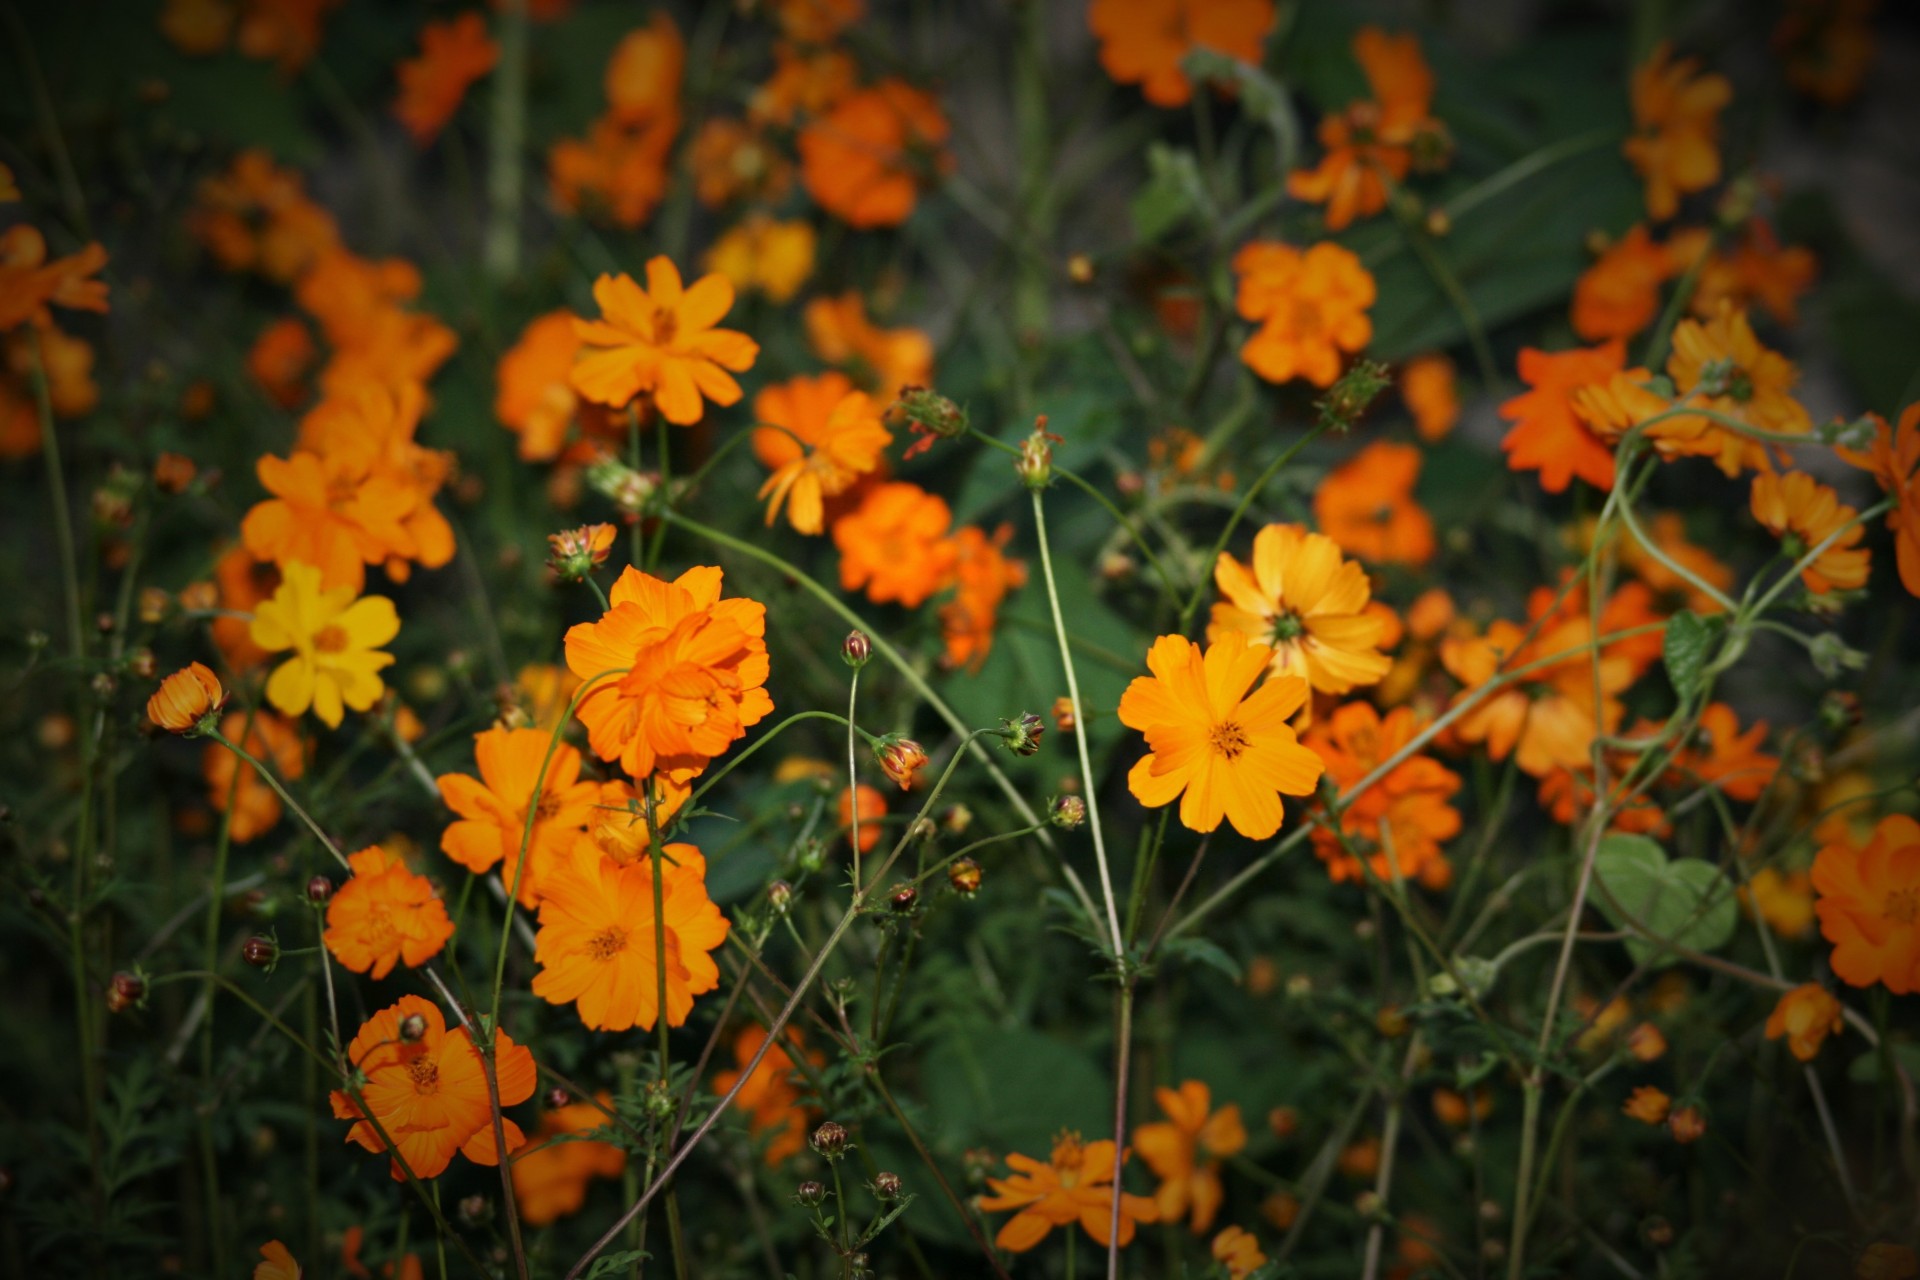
x: 772, y: 257
x: 1806, y: 1016
x: 335, y: 640
x: 1300, y: 597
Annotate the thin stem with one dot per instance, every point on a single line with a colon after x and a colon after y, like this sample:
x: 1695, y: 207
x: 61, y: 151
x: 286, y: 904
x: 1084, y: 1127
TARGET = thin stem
x: 285, y: 799
x: 1123, y: 1058
x: 505, y: 143
x: 1205, y: 574
x: 853, y: 777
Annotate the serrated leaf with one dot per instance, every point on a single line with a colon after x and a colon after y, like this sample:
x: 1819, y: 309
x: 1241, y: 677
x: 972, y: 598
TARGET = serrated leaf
x: 1200, y: 951
x: 1690, y: 639
x: 1685, y: 901
x: 608, y: 1264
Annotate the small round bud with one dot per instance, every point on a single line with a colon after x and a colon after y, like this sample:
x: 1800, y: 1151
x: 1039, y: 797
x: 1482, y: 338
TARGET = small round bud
x: 1367, y: 1203
x: 475, y: 1211
x: 830, y: 1140
x: 886, y: 1186
x: 964, y: 875
x: 413, y: 1028
x: 856, y: 650
x: 1299, y: 986
x: 154, y: 604
x: 956, y: 820
x: 125, y: 991
x: 1439, y: 224
x: 260, y: 951
x: 810, y: 1194
x: 901, y: 759
x: 1390, y: 1022
x: 1284, y: 1122
x: 576, y: 553
x: 557, y: 1098
x: 903, y: 898
x: 1067, y: 812
x: 319, y: 889
x: 142, y: 665
x: 780, y: 897
x: 1080, y: 269
x: 1022, y: 735
x: 1687, y: 1125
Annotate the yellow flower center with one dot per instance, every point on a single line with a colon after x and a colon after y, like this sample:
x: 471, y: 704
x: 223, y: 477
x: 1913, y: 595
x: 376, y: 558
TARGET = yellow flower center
x: 426, y: 1074
x: 331, y: 638
x: 1903, y: 906
x: 1285, y: 627
x: 607, y: 943
x: 1229, y: 740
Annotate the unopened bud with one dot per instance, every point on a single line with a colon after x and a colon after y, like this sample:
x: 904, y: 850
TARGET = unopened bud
x: 1022, y: 735
x: 956, y: 819
x: 902, y: 898
x: 856, y: 650
x: 1284, y: 1122
x: 475, y: 1211
x: 260, y: 951
x: 964, y: 875
x: 1035, y: 464
x: 1344, y: 403
x: 1063, y: 718
x: 830, y: 1140
x: 810, y: 1194
x: 931, y: 416
x: 780, y: 897
x: 1687, y: 1125
x: 886, y: 1186
x: 576, y: 553
x: 901, y: 759
x: 154, y: 604
x: 319, y: 889
x: 1067, y: 812
x: 125, y: 991
x: 413, y: 1028
x: 557, y: 1098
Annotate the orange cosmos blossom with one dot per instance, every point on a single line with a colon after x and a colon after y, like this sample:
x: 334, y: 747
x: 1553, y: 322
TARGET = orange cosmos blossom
x: 1231, y: 754
x: 453, y: 54
x: 430, y: 1093
x: 550, y: 1179
x: 1549, y: 715
x: 1619, y: 295
x: 1366, y: 505
x: 662, y: 340
x: 865, y: 160
x: 1312, y: 308
x: 1144, y: 41
x: 258, y: 217
x: 1185, y: 1150
x: 1675, y: 144
x: 618, y: 171
x: 690, y: 670
x: 887, y: 360
x: 895, y: 545
x: 1373, y: 143
x: 598, y: 939
x: 823, y: 436
x: 983, y: 575
x: 1239, y: 1252
x: 1804, y: 513
x: 1399, y: 823
x: 185, y: 698
x: 534, y: 396
x: 1894, y: 459
x: 1299, y: 596
x: 243, y: 583
x: 1427, y: 387
x: 29, y: 284
x: 1548, y: 435
x: 758, y: 253
x: 771, y: 1096
x: 385, y: 914
x: 493, y: 808
x: 1806, y: 1015
x: 1869, y: 906
x: 733, y: 159
x: 1720, y: 365
x: 1075, y: 1185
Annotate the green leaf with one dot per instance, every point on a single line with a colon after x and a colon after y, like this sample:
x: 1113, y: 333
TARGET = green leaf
x: 1012, y: 1089
x: 1690, y: 638
x: 1200, y: 951
x: 1685, y: 901
x: 1172, y: 193
x: 611, y: 1264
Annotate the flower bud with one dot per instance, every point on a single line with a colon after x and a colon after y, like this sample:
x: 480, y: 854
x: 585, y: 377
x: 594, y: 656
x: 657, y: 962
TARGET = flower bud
x: 475, y: 1211
x: 1284, y: 1122
x: 1347, y: 399
x: 1035, y: 464
x: 125, y: 991
x: 576, y: 553
x: 628, y: 489
x: 931, y: 416
x: 1687, y: 1125
x: 1646, y: 1043
x: 141, y: 664
x: 810, y: 1194
x: 1063, y: 717
x: 319, y: 889
x: 187, y: 701
x: 1022, y: 736
x: 856, y: 649
x: 956, y: 820
x: 830, y: 1140
x: 413, y: 1028
x: 557, y: 1098
x: 780, y: 897
x: 901, y: 759
x: 260, y: 951
x: 199, y: 597
x: 903, y: 898
x: 1067, y: 812
x: 886, y: 1186
x: 172, y: 472
x: 154, y: 604
x: 964, y: 875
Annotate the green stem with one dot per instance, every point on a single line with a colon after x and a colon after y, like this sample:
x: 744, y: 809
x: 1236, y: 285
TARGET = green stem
x: 285, y: 798
x: 505, y: 163
x: 1205, y: 573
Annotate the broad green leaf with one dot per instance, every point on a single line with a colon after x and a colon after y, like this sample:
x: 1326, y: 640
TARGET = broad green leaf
x: 1686, y: 901
x: 1690, y: 638
x: 1012, y: 1089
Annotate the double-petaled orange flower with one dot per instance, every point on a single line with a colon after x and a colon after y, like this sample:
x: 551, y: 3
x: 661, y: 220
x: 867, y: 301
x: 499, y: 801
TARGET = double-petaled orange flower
x: 1308, y: 604
x: 598, y: 942
x: 1366, y: 505
x: 1549, y: 434
x: 680, y: 672
x: 1894, y: 459
x: 1803, y: 514
x: 1399, y: 823
x: 493, y: 808
x: 1143, y: 42
x: 661, y: 340
x: 1311, y: 306
x: 1676, y: 140
x: 983, y: 574
x: 1371, y: 145
x: 1806, y: 1016
x: 1185, y: 1150
x: 1619, y: 295
x: 233, y: 783
x: 429, y: 1091
x: 771, y: 1097
x: 550, y: 1178
x: 1074, y: 1185
x: 895, y: 545
x: 866, y: 159
x: 453, y: 54
x: 1869, y: 906
x: 822, y: 437
x: 1224, y: 752
x: 385, y: 914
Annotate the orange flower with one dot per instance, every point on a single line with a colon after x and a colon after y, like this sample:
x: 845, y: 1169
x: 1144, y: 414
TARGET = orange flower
x: 453, y: 54
x: 733, y: 160
x: 598, y: 938
x: 1372, y: 144
x: 1427, y: 386
x: 771, y: 1097
x: 258, y: 217
x: 873, y: 807
x: 280, y: 360
x: 1784, y: 900
x: 865, y: 160
x: 643, y: 74
x: 534, y: 396
x: 984, y: 575
x: 824, y: 436
x: 895, y: 545
x: 1567, y: 794
x: 1806, y: 1015
x: 29, y: 284
x: 1619, y: 295
x: 1458, y: 1111
x: 1366, y: 505
x: 1721, y: 756
x: 1547, y: 435
x: 256, y: 805
x: 887, y: 360
x: 1232, y: 754
x: 1648, y: 1105
x: 1675, y: 144
x: 618, y: 827
x: 1144, y: 41
x: 1894, y: 460
x: 805, y: 81
x: 430, y: 1091
x: 619, y: 171
x: 1075, y: 1185
x: 1405, y: 814
x: 816, y: 21
x: 186, y: 698
x: 550, y: 1180
x: 1757, y: 269
x: 1827, y: 46
x: 493, y: 808
x: 690, y: 665
x: 1869, y: 906
x: 1239, y: 1252
x: 661, y: 340
x: 1309, y: 604
x: 1719, y: 365
x: 1312, y: 307
x: 277, y: 1264
x: 774, y: 258
x: 385, y: 914
x: 1185, y: 1150
x: 1803, y: 514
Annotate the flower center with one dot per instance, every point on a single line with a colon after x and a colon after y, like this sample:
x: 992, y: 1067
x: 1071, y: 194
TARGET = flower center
x: 607, y: 943
x: 1903, y: 906
x: 1306, y: 316
x: 1723, y: 377
x: 666, y: 326
x: 426, y: 1074
x: 1286, y: 626
x: 331, y: 638
x: 1229, y: 740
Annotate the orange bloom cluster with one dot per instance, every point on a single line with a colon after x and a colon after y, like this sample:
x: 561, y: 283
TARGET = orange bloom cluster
x: 679, y: 670
x: 1185, y: 1150
x: 1804, y: 513
x: 865, y: 160
x: 1894, y: 460
x: 493, y: 808
x: 771, y: 1096
x: 1756, y: 269
x: 661, y: 340
x: 1375, y: 142
x: 822, y: 437
x: 1399, y: 823
x: 1366, y: 505
x: 895, y: 545
x: 283, y: 32
x: 766, y: 256
x: 430, y: 1092
x: 1239, y: 1252
x: 1549, y: 434
x: 1869, y: 906
x: 619, y: 170
x: 1074, y: 1185
x: 1720, y: 755
x: 1312, y: 309
x: 886, y: 361
x: 385, y: 914
x: 550, y: 1179
x: 1676, y: 115
x: 233, y: 784
x: 1143, y: 42
x: 453, y: 54
x: 983, y: 574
